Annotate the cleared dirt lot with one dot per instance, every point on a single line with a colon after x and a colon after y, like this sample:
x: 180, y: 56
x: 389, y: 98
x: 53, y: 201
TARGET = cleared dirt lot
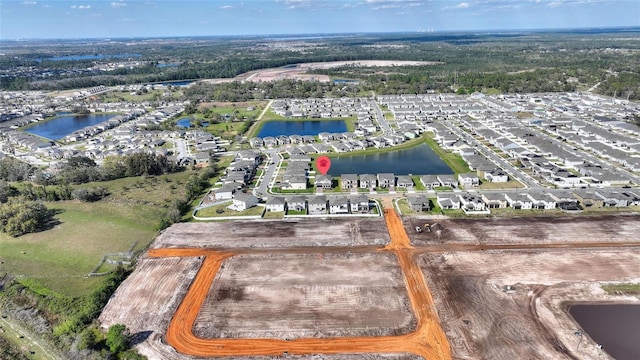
x: 526, y: 230
x: 313, y: 295
x: 469, y: 266
x: 356, y: 289
x: 275, y: 234
x: 147, y: 299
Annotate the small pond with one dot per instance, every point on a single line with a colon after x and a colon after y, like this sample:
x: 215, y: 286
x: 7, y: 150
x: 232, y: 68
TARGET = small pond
x: 615, y: 327
x: 310, y: 127
x: 418, y: 160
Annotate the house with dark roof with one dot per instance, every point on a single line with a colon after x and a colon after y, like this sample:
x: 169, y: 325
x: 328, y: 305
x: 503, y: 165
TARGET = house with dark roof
x: 243, y: 201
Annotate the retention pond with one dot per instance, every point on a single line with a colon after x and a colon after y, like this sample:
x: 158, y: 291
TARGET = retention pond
x: 615, y: 327
x: 418, y: 160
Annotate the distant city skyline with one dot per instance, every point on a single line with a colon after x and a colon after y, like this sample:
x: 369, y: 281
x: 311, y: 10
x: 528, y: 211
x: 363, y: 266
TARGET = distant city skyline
x: 49, y: 19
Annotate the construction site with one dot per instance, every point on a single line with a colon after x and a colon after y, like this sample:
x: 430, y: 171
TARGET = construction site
x: 385, y: 288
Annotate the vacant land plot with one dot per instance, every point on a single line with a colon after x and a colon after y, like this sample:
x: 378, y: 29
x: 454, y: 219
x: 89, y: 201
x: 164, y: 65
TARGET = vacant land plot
x: 153, y: 292
x: 310, y: 295
x: 271, y: 234
x: 526, y: 230
x: 483, y: 319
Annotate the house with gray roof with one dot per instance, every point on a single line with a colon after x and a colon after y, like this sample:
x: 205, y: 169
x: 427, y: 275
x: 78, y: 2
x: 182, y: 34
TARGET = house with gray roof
x: 349, y: 181
x: 317, y: 205
x: 430, y: 182
x: 519, y: 201
x: 468, y: 180
x: 418, y: 202
x: 359, y: 204
x: 386, y: 180
x: 296, y: 203
x: 276, y: 204
x: 494, y: 200
x: 448, y: 200
x: 404, y: 181
x: 448, y: 180
x: 243, y: 201
x: 338, y: 205
x: 324, y: 181
x: 368, y: 181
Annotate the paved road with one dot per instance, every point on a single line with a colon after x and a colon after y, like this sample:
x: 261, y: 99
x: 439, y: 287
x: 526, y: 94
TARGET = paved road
x: 181, y: 148
x: 384, y: 124
x: 268, y: 175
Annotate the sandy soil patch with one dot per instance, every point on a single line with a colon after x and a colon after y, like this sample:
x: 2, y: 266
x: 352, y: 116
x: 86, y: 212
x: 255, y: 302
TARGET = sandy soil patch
x: 485, y: 320
x: 314, y: 295
x: 527, y: 230
x: 298, y: 71
x: 274, y: 234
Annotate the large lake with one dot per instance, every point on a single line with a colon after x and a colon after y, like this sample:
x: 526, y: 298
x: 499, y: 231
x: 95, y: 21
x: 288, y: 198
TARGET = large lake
x: 615, y: 327
x: 419, y: 160
x: 66, y: 124
x: 312, y: 127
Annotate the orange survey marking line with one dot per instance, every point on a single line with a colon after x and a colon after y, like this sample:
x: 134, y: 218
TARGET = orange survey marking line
x: 428, y: 340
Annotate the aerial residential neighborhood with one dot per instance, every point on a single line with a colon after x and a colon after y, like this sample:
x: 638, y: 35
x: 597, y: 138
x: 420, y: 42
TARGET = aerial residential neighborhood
x: 324, y: 180
x: 540, y: 146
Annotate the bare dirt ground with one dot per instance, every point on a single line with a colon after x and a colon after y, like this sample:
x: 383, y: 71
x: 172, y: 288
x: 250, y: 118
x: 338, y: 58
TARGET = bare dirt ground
x: 257, y: 296
x: 356, y: 289
x: 331, y: 289
x: 298, y: 72
x: 532, y: 231
x: 275, y: 234
x: 567, y: 260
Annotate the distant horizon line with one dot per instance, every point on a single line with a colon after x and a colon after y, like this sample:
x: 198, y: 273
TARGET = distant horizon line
x: 335, y: 34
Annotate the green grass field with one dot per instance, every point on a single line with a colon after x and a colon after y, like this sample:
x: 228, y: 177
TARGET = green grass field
x: 57, y: 260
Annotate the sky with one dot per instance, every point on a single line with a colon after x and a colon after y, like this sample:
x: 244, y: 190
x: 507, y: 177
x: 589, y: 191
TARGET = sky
x: 55, y: 19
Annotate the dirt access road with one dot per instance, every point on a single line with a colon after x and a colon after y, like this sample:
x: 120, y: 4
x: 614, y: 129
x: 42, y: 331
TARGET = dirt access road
x: 427, y: 340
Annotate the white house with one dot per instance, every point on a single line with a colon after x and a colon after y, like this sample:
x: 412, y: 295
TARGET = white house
x: 243, y: 201
x: 338, y: 205
x: 317, y: 205
x: 468, y: 180
x: 276, y: 204
x: 359, y: 204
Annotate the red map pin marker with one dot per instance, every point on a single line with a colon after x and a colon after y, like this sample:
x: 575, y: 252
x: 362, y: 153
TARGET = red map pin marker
x: 323, y: 163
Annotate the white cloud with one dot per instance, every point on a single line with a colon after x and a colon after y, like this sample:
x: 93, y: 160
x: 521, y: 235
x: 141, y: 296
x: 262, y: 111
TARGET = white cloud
x: 224, y: 7
x: 29, y: 2
x: 118, y: 4
x: 462, y: 5
x: 81, y: 7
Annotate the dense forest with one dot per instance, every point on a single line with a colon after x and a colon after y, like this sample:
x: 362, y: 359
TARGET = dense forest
x: 516, y: 62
